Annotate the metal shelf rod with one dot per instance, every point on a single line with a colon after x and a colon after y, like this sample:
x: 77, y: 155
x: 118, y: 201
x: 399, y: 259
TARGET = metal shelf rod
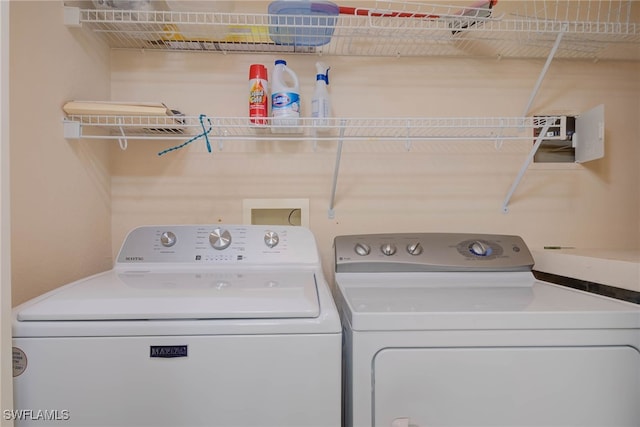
x: 525, y: 166
x: 336, y: 170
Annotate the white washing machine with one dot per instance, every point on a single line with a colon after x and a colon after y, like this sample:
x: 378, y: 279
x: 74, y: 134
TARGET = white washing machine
x: 194, y: 326
x: 454, y: 330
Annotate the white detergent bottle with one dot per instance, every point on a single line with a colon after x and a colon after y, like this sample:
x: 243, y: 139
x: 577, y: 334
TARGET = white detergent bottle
x: 285, y: 99
x: 320, y: 102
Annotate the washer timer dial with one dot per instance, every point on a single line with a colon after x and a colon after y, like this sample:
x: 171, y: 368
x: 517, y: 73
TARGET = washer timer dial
x: 220, y: 239
x: 271, y: 239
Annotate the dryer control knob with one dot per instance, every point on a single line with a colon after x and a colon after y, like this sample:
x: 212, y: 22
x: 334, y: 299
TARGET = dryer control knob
x: 271, y: 239
x: 388, y: 249
x: 168, y: 239
x: 362, y: 249
x: 480, y: 249
x: 220, y: 239
x: 414, y: 248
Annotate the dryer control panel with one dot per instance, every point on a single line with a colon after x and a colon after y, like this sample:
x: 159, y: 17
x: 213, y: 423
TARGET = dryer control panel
x: 415, y: 252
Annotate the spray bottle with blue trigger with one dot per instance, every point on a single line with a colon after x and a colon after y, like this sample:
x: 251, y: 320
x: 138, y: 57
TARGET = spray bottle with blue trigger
x: 320, y: 102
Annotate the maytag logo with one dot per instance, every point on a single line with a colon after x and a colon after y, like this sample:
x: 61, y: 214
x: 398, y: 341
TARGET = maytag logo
x: 168, y: 351
x: 134, y: 258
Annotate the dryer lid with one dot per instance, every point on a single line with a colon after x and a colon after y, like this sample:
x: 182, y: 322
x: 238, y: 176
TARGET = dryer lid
x: 420, y: 304
x: 195, y: 295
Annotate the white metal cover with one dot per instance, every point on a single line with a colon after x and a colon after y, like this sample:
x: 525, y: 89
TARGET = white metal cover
x: 223, y: 294
x: 589, y: 136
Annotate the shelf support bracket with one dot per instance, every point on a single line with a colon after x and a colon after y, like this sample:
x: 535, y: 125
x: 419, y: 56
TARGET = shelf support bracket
x: 71, y: 129
x: 72, y: 16
x: 526, y: 164
x: 122, y: 140
x: 332, y: 213
x: 543, y: 73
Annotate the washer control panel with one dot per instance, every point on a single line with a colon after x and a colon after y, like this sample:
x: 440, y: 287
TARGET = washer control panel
x: 431, y: 252
x: 216, y: 244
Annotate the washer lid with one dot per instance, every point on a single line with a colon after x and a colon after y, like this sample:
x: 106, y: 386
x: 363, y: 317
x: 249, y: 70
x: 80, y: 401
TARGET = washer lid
x: 205, y: 295
x: 392, y: 302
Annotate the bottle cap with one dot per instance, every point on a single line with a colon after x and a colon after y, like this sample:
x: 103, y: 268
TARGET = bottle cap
x: 257, y: 71
x: 281, y: 61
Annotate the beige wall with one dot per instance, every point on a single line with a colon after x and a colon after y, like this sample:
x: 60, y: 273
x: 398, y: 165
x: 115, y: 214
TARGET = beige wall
x: 60, y: 190
x: 453, y: 186
x: 74, y: 201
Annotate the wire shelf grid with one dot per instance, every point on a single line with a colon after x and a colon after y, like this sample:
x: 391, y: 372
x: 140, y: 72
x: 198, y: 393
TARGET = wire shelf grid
x: 603, y: 29
x: 352, y: 129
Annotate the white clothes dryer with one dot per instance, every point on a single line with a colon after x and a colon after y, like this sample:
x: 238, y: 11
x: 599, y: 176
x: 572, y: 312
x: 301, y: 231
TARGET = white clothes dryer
x: 194, y: 326
x: 447, y: 329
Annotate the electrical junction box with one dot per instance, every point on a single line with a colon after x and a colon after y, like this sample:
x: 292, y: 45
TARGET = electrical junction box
x: 276, y: 212
x: 577, y: 139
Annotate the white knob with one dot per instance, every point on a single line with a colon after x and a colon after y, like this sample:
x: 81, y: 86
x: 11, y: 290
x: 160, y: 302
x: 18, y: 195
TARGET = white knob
x: 271, y: 239
x: 220, y: 239
x: 414, y: 248
x: 168, y: 239
x: 388, y: 249
x: 479, y: 249
x: 362, y: 249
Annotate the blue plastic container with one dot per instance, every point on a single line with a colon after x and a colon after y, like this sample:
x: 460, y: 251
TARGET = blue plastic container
x: 302, y: 23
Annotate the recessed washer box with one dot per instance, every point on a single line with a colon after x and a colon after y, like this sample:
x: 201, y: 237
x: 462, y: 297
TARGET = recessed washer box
x: 276, y: 211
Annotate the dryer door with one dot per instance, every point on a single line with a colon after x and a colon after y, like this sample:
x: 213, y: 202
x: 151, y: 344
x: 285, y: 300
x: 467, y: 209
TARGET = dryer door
x: 507, y: 386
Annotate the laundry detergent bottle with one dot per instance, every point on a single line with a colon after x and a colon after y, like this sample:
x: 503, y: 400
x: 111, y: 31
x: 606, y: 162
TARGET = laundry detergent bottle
x: 285, y: 98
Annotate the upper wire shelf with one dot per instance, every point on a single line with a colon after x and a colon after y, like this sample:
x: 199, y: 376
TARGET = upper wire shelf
x: 603, y: 29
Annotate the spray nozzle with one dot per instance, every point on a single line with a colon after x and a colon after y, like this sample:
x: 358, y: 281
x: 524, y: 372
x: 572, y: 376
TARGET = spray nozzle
x: 322, y: 70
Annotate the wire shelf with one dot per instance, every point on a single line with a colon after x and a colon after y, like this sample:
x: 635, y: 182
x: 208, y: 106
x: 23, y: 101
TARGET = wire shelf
x: 604, y: 29
x: 347, y: 129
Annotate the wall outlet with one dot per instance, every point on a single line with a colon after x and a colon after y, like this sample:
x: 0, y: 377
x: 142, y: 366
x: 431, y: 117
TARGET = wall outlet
x: 276, y: 211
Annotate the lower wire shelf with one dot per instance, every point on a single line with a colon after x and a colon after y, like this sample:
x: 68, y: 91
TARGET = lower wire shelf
x: 409, y: 130
x: 305, y: 128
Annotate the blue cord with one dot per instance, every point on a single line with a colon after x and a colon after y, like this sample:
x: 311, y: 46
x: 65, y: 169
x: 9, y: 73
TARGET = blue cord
x: 205, y: 134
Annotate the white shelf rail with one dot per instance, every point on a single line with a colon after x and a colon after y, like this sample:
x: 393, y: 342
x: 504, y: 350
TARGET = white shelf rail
x: 306, y: 129
x: 602, y: 29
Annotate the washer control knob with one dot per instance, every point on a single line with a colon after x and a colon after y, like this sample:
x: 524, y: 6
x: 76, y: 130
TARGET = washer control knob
x: 271, y: 239
x: 362, y: 249
x: 388, y: 249
x: 168, y: 239
x: 480, y: 249
x: 220, y: 239
x: 414, y: 248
